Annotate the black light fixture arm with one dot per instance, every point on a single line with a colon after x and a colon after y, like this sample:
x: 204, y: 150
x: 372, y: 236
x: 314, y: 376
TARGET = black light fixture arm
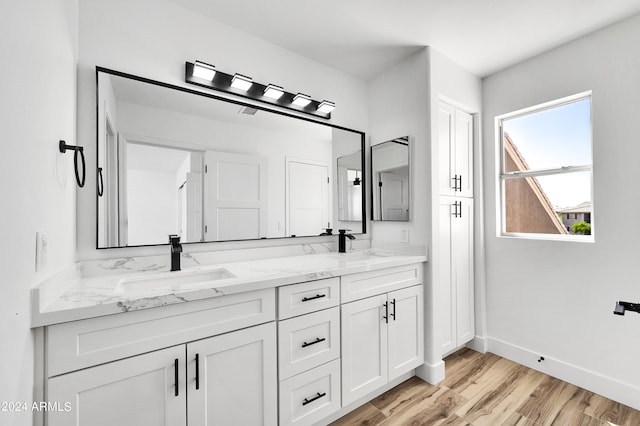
x: 621, y: 307
x: 76, y: 149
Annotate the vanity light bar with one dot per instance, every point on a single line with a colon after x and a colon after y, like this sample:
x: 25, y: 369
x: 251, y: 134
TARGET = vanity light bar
x: 326, y: 106
x: 301, y: 100
x: 241, y: 82
x: 273, y: 92
x: 205, y: 75
x: 204, y: 71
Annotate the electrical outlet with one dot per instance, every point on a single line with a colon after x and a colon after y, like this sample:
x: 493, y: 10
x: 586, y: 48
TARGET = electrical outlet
x: 41, y: 251
x: 404, y: 235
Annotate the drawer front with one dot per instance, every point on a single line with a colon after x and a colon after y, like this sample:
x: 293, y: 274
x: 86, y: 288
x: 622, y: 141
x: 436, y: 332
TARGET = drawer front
x: 300, y: 299
x: 366, y: 284
x: 307, y: 341
x: 311, y: 396
x: 80, y: 344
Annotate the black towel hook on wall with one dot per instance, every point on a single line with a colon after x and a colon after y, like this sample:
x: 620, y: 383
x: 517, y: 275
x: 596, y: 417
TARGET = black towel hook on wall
x: 100, y: 182
x: 63, y: 148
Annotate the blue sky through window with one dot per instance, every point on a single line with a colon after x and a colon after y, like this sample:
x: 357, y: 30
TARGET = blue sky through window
x: 552, y: 138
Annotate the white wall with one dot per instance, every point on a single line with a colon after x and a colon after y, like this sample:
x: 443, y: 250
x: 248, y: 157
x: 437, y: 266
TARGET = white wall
x: 154, y: 38
x: 38, y: 42
x: 556, y: 298
x: 398, y: 106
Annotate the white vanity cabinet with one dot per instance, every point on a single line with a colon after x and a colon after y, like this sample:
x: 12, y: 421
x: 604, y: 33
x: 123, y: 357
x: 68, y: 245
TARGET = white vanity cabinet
x: 382, y: 335
x: 112, y: 370
x: 293, y: 354
x: 309, y: 351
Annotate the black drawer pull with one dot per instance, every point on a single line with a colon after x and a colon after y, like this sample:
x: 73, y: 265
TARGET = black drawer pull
x: 197, y: 371
x: 318, y: 340
x: 317, y: 296
x: 175, y: 372
x: 318, y: 396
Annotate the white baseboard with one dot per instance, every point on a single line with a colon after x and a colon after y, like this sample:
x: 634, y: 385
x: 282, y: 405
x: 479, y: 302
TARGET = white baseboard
x: 479, y: 344
x: 613, y: 389
x: 432, y: 374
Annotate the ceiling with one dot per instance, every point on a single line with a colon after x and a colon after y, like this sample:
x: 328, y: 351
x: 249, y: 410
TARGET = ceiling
x: 365, y: 37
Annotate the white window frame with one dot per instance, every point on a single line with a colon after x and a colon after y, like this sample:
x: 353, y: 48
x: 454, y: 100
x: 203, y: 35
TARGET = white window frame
x: 502, y: 177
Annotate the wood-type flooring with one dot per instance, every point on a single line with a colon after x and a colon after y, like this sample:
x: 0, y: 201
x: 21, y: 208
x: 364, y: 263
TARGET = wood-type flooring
x: 485, y: 389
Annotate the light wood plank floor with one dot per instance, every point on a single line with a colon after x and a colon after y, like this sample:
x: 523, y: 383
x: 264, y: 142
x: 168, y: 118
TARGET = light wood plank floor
x: 485, y: 389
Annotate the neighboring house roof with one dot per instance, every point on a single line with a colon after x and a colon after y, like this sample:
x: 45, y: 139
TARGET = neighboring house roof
x: 520, y: 164
x: 580, y: 208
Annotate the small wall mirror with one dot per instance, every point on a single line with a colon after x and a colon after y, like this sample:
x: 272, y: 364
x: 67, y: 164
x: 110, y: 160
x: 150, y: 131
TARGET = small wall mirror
x: 390, y: 172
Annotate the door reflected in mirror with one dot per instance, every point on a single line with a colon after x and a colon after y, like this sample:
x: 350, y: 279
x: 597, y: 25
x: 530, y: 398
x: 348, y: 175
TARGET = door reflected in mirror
x: 391, y: 175
x: 180, y: 161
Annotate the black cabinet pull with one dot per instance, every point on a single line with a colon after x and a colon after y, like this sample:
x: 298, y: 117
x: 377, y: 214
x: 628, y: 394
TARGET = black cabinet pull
x: 318, y: 340
x: 393, y: 302
x: 455, y: 183
x: 459, y: 208
x: 460, y: 183
x: 455, y: 209
x: 318, y: 396
x: 197, y: 371
x: 175, y: 372
x: 386, y: 312
x: 317, y: 296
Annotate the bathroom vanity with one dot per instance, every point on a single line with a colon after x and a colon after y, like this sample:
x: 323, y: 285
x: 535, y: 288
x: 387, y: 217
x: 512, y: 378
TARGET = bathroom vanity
x: 287, y: 340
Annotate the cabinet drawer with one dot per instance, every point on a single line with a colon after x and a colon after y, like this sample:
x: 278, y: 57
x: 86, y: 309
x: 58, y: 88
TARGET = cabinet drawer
x: 307, y: 341
x: 80, y: 344
x: 299, y: 299
x: 366, y: 284
x: 311, y: 396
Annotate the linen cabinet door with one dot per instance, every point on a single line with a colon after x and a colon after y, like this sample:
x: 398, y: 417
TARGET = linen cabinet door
x: 364, y: 347
x: 141, y: 390
x: 462, y: 271
x: 406, y: 330
x: 232, y: 378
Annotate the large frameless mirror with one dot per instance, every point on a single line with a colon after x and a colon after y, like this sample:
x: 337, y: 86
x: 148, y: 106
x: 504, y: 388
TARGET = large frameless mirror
x: 173, y: 160
x: 390, y: 184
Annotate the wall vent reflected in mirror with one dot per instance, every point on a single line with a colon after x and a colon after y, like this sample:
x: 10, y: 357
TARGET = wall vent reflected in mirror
x: 179, y: 161
x: 391, y: 176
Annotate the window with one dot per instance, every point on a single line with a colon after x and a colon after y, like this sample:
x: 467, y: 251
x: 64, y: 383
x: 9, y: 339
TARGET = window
x: 545, y: 170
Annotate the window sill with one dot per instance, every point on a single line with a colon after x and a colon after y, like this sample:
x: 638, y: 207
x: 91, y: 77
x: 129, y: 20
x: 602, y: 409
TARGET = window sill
x: 548, y: 237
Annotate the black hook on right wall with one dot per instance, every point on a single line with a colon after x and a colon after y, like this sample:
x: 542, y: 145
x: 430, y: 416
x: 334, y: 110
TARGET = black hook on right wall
x: 77, y: 149
x: 621, y: 307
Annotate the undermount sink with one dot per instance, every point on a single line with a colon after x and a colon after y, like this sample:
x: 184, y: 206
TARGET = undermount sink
x: 173, y: 281
x: 353, y: 256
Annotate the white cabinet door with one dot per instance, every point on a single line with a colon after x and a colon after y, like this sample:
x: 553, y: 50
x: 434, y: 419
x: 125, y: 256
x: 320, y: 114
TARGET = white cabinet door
x: 235, y: 196
x: 462, y: 249
x: 447, y: 294
x: 455, y: 273
x: 446, y: 146
x: 364, y: 347
x: 135, y: 391
x: 464, y: 153
x: 232, y: 378
x: 455, y: 144
x: 307, y: 197
x: 406, y: 330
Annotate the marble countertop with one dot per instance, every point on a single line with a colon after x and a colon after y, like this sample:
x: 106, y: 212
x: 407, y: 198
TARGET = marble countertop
x: 95, y: 288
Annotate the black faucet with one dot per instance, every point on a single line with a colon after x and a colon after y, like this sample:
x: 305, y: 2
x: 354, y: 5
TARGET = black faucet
x: 342, y: 240
x: 328, y: 231
x: 176, y: 249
